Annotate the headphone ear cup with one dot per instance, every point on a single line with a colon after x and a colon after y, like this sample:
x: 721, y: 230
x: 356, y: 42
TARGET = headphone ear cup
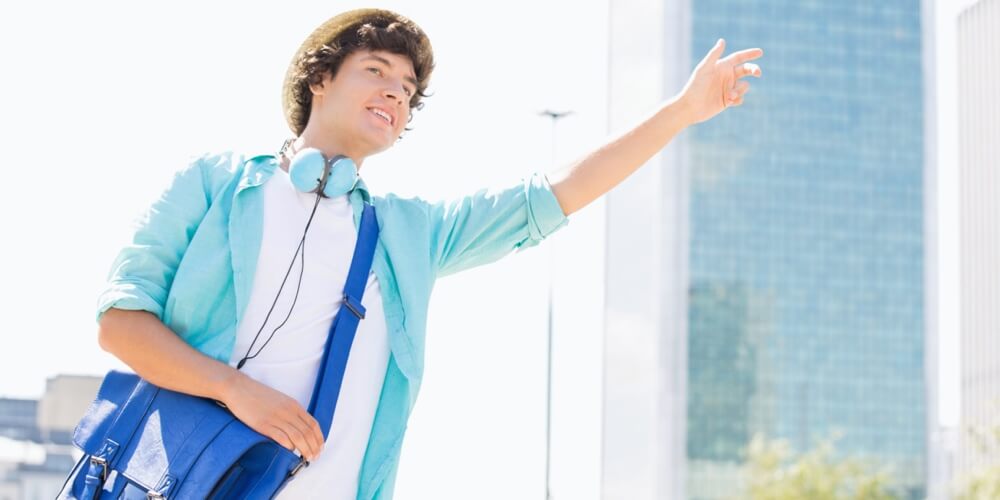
x: 342, y: 178
x: 307, y: 170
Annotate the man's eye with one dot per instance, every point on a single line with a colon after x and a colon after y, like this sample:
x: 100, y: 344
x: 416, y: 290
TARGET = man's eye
x: 375, y: 71
x: 408, y: 92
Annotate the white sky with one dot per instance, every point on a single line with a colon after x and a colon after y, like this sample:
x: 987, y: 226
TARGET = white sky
x: 102, y: 101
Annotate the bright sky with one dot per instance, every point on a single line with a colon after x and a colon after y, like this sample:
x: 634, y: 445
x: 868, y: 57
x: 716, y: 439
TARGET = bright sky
x: 103, y: 100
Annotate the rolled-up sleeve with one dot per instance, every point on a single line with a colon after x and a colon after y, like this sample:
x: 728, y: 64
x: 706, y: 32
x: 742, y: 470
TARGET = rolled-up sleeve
x: 485, y: 226
x: 143, y: 271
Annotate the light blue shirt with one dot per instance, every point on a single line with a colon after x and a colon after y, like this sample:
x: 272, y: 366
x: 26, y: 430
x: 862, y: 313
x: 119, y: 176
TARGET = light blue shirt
x: 192, y: 259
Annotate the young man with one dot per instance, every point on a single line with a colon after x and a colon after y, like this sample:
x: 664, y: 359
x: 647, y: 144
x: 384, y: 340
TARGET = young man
x: 192, y: 298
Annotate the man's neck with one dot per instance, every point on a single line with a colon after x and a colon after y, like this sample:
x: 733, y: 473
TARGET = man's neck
x: 325, y: 142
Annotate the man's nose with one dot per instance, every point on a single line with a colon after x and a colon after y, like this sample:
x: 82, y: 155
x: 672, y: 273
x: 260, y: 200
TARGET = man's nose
x: 394, y: 93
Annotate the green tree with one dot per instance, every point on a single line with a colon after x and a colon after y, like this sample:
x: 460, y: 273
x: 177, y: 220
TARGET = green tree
x: 983, y: 484
x: 774, y: 472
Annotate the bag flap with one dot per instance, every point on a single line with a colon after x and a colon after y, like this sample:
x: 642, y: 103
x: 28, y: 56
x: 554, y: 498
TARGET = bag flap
x: 257, y: 454
x: 93, y: 428
x: 177, y: 429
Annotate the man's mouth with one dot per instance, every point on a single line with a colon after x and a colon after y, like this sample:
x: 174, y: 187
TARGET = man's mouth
x: 381, y: 114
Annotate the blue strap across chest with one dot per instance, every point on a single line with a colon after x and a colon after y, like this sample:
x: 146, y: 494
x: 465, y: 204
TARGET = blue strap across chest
x: 323, y: 404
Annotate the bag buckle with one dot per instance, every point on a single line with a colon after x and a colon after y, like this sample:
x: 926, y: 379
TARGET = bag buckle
x: 162, y: 490
x: 102, y: 463
x: 355, y: 306
x: 302, y: 463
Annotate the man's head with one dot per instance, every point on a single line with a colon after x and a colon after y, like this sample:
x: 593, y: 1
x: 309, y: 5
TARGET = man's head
x: 374, y: 44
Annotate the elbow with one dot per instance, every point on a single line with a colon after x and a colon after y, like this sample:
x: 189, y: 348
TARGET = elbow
x: 112, y: 327
x: 106, y: 330
x: 562, y: 196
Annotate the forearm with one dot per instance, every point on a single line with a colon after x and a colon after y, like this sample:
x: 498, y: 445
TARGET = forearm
x: 158, y: 355
x: 583, y: 181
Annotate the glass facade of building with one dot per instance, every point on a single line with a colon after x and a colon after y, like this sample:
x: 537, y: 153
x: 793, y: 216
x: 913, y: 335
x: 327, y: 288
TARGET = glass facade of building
x: 806, y: 252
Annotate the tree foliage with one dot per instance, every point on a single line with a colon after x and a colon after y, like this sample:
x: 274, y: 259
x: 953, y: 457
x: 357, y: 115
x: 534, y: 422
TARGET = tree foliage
x: 983, y: 484
x: 774, y: 472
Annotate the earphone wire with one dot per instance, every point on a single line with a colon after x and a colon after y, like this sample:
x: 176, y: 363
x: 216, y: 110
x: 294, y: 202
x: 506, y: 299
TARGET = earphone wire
x: 295, y: 299
x: 298, y: 287
x: 300, y: 248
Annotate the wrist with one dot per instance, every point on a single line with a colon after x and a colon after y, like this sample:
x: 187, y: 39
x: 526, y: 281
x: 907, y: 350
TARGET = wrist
x: 683, y: 108
x: 226, y: 384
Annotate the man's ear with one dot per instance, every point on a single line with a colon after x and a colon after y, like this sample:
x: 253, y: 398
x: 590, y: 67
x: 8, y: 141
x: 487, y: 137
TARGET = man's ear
x: 319, y: 88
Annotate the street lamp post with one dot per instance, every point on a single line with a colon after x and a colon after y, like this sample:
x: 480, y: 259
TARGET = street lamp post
x: 555, y: 116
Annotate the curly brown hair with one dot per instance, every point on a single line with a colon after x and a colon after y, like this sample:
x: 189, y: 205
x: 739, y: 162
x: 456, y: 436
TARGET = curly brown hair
x: 373, y: 33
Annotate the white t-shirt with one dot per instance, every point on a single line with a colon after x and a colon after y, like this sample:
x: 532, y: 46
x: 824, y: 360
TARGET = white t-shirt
x: 291, y: 359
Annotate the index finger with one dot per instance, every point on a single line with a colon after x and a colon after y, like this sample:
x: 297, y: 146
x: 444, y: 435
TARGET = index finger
x: 744, y: 56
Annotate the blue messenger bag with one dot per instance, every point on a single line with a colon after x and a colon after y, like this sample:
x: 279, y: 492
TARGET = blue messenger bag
x: 141, y: 441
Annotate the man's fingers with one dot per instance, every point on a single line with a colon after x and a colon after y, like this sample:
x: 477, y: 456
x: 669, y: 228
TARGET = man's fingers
x: 312, y: 430
x: 716, y: 52
x: 747, y: 69
x: 743, y: 56
x: 737, y: 91
x: 302, y: 443
x: 278, y: 435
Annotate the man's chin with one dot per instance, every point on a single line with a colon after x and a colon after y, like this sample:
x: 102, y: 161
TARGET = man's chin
x: 381, y: 143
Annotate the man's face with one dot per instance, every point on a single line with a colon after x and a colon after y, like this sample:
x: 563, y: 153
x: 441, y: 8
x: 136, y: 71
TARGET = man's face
x: 368, y: 103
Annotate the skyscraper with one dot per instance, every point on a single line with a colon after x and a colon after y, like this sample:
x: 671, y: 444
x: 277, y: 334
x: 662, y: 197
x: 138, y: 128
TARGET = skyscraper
x: 979, y: 130
x: 768, y: 273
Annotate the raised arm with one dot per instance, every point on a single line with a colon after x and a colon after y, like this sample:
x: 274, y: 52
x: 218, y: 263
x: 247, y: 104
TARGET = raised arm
x: 714, y: 85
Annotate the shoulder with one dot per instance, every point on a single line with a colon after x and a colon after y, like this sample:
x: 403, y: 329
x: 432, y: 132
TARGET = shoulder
x: 218, y: 169
x: 409, y: 210
x: 220, y: 164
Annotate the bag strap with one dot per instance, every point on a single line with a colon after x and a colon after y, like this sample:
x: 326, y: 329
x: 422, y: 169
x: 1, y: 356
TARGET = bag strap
x: 338, y: 344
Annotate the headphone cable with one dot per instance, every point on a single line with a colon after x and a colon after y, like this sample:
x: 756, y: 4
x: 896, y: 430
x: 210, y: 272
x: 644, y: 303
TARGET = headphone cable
x: 301, y: 248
